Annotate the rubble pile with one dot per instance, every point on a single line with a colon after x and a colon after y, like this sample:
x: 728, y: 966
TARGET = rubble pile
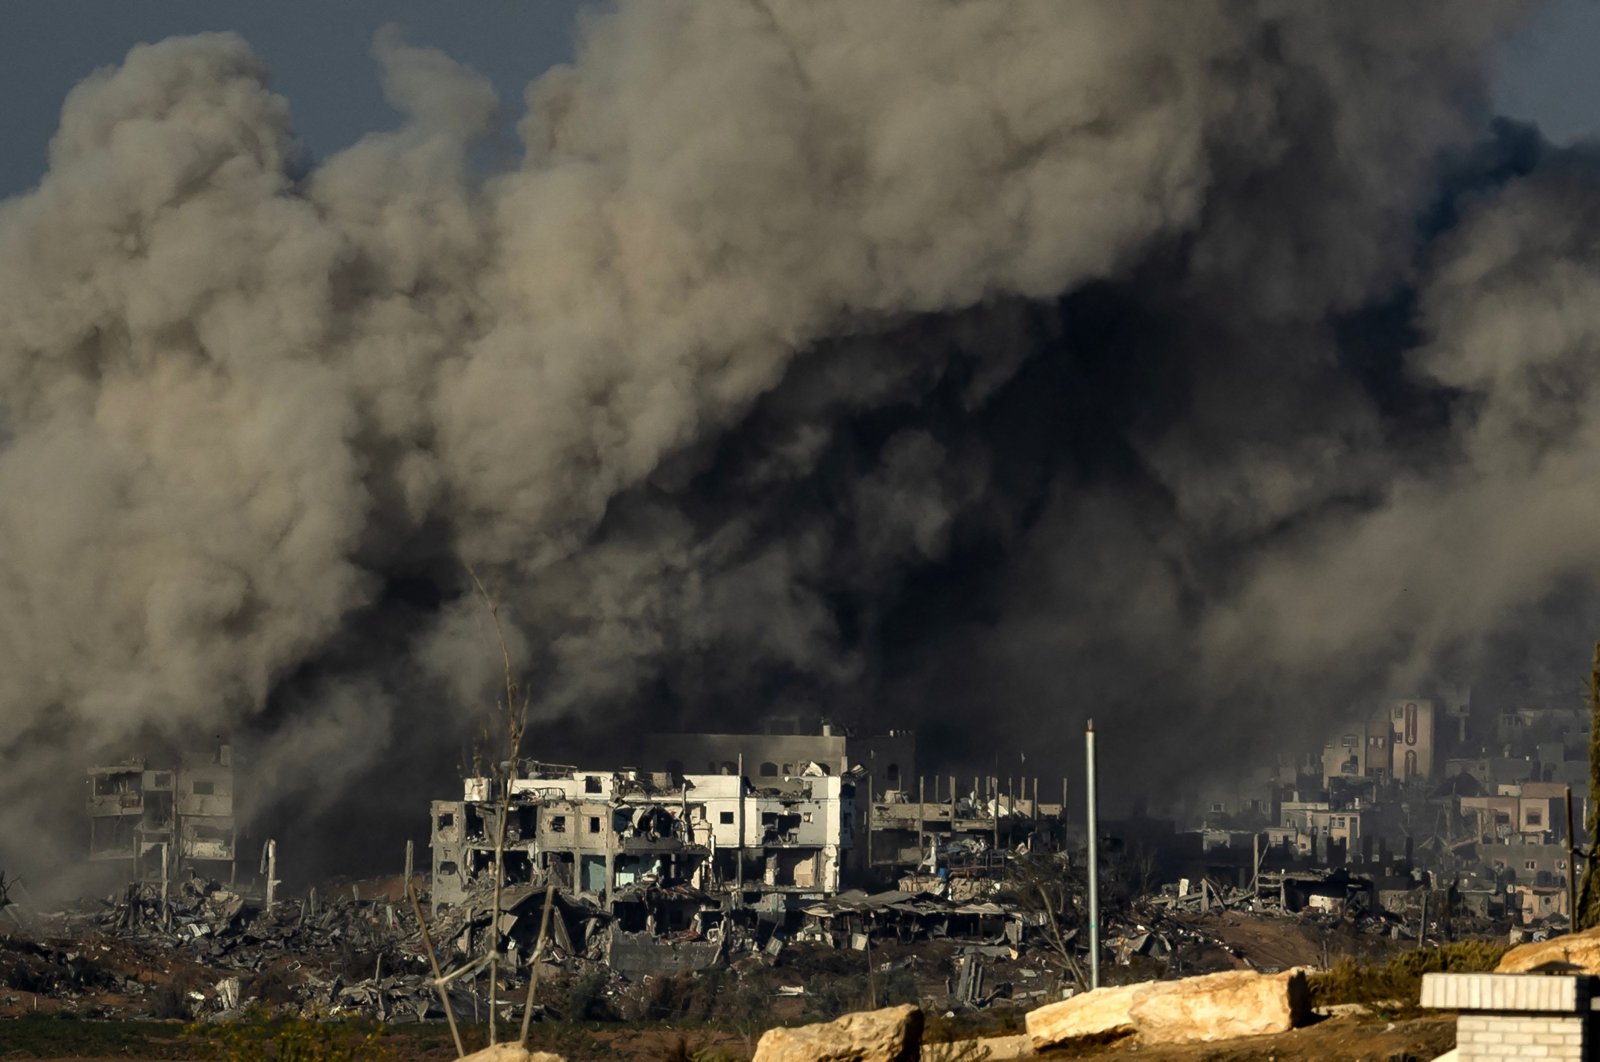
x: 208, y: 952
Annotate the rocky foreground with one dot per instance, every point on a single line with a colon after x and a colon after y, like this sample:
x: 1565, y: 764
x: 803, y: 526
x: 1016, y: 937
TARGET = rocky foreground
x: 1192, y: 1010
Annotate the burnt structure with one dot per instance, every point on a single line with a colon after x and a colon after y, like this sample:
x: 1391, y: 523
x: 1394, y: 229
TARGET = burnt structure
x: 165, y: 822
x: 793, y: 815
x: 610, y: 836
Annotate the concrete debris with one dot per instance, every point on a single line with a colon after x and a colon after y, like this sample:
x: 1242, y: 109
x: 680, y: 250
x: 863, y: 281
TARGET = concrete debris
x: 511, y: 1053
x: 1194, y: 1009
x: 1573, y: 953
x: 893, y: 1034
x: 1101, y: 1013
x: 1221, y: 1006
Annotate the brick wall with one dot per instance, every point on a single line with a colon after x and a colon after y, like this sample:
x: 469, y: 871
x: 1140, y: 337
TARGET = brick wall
x: 1485, y: 1037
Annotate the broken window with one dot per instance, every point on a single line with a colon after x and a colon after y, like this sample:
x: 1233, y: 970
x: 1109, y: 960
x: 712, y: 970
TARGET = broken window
x: 558, y: 824
x: 893, y: 775
x: 805, y: 816
x: 726, y: 818
x: 788, y: 768
x: 1534, y: 818
x: 447, y: 868
x: 199, y: 788
x: 594, y: 824
x: 592, y: 874
x: 447, y: 820
x: 591, y: 783
x: 769, y: 769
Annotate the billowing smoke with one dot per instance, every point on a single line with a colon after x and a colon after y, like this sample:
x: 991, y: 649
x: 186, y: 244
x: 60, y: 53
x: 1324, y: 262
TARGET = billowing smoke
x: 964, y: 365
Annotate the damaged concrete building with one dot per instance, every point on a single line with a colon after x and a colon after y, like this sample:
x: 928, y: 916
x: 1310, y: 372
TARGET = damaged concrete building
x: 610, y: 836
x: 801, y: 815
x: 165, y: 822
x: 908, y: 822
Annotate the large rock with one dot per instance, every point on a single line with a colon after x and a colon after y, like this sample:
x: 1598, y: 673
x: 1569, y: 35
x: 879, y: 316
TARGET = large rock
x: 1221, y: 1006
x: 511, y: 1053
x: 1579, y: 949
x: 1102, y: 1013
x: 1213, y: 1007
x: 893, y: 1034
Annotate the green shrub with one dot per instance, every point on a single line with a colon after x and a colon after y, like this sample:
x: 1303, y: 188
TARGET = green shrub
x: 1400, y: 978
x: 586, y: 998
x: 257, y: 1036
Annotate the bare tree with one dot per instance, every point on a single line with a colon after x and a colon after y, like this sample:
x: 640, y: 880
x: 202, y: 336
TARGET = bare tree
x: 510, y: 718
x: 1047, y: 883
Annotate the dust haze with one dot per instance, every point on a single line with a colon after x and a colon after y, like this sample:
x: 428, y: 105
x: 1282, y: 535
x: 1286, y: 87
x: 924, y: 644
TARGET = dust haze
x: 976, y: 367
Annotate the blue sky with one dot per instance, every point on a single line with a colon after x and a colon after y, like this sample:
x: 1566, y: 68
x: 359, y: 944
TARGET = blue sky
x: 317, y: 50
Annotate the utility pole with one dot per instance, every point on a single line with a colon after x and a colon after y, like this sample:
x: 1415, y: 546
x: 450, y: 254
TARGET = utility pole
x: 1255, y: 869
x: 1094, y: 858
x: 1572, y: 870
x: 740, y: 850
x: 867, y: 819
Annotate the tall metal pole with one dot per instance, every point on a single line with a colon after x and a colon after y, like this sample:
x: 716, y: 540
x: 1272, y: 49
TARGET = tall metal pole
x: 1094, y: 859
x: 1572, y: 870
x: 740, y: 809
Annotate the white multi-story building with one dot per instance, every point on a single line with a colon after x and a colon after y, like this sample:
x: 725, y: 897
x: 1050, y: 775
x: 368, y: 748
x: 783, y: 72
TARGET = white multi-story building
x: 599, y: 834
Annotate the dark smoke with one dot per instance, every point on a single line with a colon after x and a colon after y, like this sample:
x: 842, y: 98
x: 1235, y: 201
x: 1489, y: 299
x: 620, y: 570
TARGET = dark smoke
x: 977, y: 367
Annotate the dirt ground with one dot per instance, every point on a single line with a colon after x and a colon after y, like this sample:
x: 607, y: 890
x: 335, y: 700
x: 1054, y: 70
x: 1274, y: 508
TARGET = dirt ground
x: 1344, y: 1038
x: 1367, y: 1038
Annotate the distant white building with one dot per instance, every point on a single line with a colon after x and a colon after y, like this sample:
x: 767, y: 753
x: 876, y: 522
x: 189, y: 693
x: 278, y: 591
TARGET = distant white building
x: 597, y: 834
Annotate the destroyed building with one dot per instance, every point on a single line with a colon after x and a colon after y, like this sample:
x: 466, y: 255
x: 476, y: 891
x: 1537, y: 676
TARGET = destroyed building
x: 607, y: 836
x: 911, y: 822
x: 800, y: 815
x: 163, y: 823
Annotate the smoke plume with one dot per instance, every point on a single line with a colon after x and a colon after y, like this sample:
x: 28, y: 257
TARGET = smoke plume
x: 968, y: 366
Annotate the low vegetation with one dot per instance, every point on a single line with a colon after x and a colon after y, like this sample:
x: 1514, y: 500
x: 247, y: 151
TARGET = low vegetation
x: 1397, y: 983
x: 259, y: 1036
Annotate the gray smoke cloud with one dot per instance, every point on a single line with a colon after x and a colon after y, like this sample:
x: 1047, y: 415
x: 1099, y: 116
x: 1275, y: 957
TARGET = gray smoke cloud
x: 888, y: 360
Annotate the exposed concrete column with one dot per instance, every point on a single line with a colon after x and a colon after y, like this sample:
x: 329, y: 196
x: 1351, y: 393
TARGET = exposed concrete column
x: 610, y: 871
x: 922, y: 832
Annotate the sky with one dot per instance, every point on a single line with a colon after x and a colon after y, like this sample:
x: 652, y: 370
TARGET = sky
x: 318, y: 54
x: 317, y: 51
